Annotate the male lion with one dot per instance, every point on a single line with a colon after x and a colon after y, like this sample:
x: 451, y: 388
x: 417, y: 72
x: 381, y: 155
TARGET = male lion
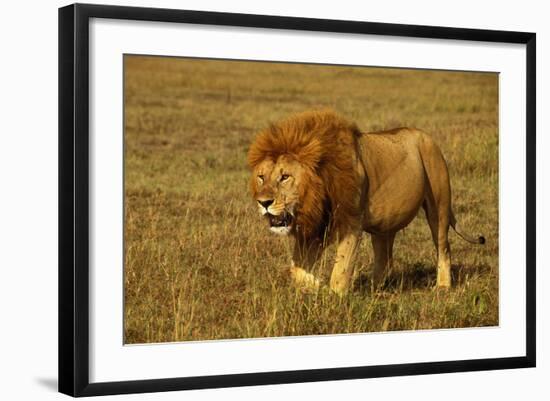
x: 317, y: 177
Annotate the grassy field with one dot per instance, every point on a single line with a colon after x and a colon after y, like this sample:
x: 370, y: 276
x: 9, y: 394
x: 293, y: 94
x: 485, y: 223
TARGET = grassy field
x: 199, y: 261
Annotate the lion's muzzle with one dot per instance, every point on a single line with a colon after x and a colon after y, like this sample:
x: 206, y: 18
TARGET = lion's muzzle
x: 279, y: 215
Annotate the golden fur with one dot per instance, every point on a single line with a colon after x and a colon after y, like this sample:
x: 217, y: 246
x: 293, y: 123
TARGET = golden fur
x: 324, y: 143
x: 316, y: 176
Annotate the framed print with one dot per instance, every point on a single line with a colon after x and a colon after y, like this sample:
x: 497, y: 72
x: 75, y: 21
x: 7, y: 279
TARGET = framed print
x: 250, y: 199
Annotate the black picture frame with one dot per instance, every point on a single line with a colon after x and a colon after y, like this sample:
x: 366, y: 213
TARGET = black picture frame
x: 74, y: 198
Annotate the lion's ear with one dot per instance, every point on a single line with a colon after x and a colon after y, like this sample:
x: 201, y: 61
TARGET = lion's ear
x: 310, y: 154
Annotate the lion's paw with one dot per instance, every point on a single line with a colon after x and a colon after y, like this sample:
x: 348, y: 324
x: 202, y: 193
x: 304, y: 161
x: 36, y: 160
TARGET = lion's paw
x: 304, y: 280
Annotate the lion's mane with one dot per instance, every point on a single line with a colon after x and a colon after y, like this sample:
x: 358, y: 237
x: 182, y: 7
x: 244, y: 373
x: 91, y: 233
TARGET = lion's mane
x: 326, y: 145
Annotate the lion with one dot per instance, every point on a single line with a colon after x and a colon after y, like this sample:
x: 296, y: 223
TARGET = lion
x: 319, y: 179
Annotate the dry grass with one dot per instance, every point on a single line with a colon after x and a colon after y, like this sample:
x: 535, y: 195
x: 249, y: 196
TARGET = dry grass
x: 200, y: 263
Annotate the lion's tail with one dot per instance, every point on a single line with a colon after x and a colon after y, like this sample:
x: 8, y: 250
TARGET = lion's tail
x: 463, y: 235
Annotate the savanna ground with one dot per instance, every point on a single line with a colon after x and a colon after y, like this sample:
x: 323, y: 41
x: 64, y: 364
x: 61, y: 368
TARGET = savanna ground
x: 199, y: 261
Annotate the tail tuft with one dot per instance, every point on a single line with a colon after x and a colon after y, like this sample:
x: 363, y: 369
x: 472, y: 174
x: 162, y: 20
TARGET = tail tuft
x: 471, y: 239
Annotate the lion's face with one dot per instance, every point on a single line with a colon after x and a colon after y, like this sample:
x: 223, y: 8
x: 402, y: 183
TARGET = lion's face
x: 304, y: 177
x: 276, y: 186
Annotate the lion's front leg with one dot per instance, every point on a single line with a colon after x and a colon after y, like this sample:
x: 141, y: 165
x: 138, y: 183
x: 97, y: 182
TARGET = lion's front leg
x: 304, y: 257
x: 303, y: 279
x: 342, y: 272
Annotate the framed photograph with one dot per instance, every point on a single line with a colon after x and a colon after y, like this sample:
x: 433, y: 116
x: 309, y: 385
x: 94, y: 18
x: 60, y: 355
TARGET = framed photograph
x: 251, y: 199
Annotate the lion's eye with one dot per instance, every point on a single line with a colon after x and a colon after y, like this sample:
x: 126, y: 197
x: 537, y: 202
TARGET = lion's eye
x: 261, y: 179
x: 284, y: 177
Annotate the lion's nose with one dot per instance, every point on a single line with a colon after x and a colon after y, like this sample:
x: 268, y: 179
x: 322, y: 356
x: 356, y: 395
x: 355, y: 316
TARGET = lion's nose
x: 266, y: 203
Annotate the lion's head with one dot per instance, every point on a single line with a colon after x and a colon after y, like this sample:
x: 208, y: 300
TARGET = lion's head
x: 304, y: 173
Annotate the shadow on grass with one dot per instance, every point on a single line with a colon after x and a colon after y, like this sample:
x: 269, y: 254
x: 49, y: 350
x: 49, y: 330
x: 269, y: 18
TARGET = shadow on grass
x: 419, y: 276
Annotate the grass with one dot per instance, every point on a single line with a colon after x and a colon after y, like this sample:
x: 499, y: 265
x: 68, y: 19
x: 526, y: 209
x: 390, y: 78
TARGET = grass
x: 200, y: 263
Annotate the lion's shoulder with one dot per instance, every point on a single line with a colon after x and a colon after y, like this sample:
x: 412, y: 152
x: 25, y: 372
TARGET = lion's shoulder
x: 405, y: 137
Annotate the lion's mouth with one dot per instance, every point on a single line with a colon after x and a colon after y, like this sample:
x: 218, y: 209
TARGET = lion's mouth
x: 281, y: 223
x: 281, y: 220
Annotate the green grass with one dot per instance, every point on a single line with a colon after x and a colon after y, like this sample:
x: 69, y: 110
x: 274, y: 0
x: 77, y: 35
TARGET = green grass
x: 199, y: 261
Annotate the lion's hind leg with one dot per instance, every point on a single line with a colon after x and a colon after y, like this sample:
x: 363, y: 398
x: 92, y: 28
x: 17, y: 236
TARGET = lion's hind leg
x: 437, y: 204
x: 382, y: 245
x: 443, y: 255
x: 438, y: 220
